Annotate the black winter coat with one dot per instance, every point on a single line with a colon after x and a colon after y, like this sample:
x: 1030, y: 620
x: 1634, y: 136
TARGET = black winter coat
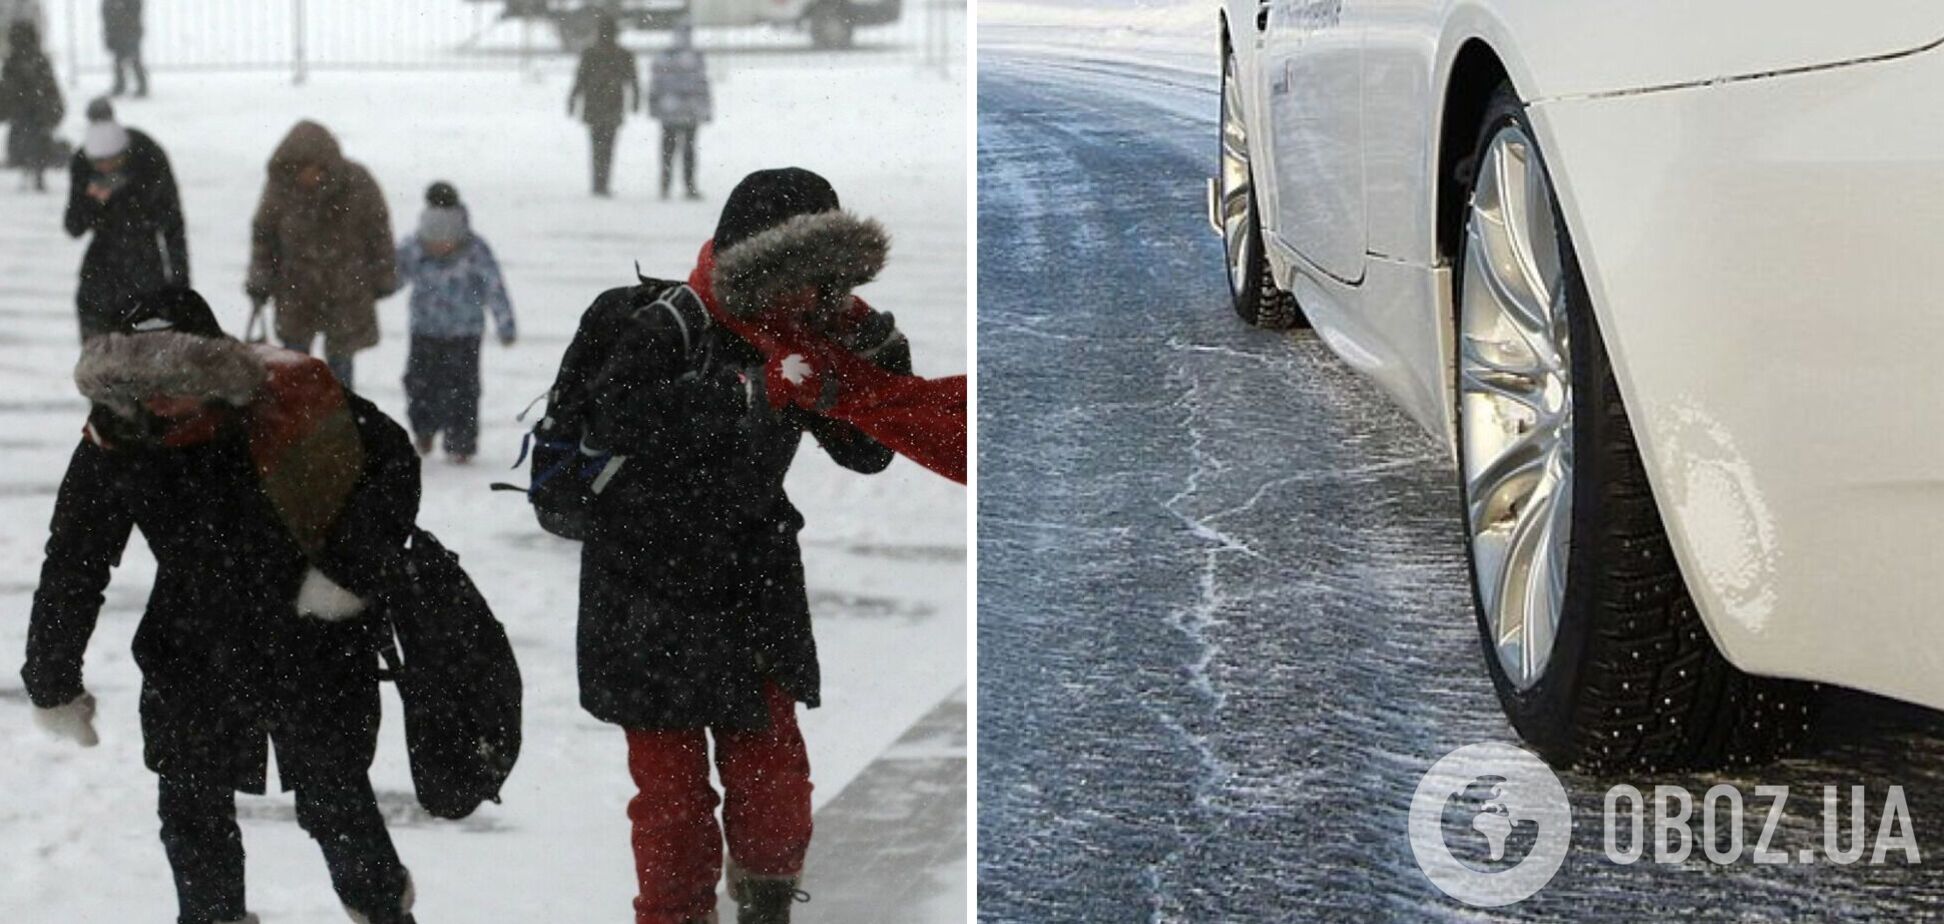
x: 121, y: 25
x: 139, y: 243
x: 226, y: 660
x: 692, y: 589
x: 604, y: 83
x: 30, y: 102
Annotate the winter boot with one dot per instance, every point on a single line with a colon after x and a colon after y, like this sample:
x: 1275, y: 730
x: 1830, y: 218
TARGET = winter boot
x: 405, y: 902
x: 763, y: 899
x: 423, y: 443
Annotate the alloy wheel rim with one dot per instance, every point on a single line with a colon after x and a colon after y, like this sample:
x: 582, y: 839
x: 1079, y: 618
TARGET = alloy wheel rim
x: 1238, y: 227
x: 1516, y: 405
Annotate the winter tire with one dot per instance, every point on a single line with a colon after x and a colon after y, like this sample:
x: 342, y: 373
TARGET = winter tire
x: 1593, y: 642
x: 1252, y: 288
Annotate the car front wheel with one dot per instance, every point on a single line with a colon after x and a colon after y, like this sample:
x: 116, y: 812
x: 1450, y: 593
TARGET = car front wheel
x: 1593, y: 642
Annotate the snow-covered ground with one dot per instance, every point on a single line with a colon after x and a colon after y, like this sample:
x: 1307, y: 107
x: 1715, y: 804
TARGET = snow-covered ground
x: 885, y: 555
x: 1172, y: 34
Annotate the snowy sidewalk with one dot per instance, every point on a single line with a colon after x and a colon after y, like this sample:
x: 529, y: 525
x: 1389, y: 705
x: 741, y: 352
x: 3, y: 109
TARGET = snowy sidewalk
x: 884, y: 556
x: 891, y: 846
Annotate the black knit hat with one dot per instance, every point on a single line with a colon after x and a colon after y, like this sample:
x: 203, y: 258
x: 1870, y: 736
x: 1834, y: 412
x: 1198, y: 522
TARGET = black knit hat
x: 176, y: 308
x: 768, y: 198
x: 441, y: 195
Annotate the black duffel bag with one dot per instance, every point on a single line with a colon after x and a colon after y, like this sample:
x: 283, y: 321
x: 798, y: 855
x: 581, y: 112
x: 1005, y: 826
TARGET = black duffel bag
x: 456, y: 676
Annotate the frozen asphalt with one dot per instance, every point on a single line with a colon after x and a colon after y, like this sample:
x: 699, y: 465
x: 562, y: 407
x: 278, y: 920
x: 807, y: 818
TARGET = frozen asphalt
x: 1223, y: 622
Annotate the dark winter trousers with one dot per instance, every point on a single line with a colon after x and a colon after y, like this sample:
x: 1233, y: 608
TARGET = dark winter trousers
x: 205, y: 848
x: 602, y: 137
x: 340, y: 362
x: 765, y: 810
x: 675, y: 138
x: 129, y: 61
x: 442, y: 391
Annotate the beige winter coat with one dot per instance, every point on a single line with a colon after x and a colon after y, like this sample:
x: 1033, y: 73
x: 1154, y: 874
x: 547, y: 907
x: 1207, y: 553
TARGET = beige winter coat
x: 323, y: 255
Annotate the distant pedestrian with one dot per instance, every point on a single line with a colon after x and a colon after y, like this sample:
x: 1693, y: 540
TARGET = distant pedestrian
x: 121, y: 28
x: 606, y: 75
x: 678, y: 98
x: 122, y: 191
x: 455, y: 282
x: 31, y: 105
x: 321, y: 248
x: 12, y: 11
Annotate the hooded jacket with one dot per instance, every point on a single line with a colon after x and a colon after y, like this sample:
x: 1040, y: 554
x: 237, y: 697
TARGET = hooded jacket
x: 692, y: 585
x: 325, y: 254
x: 282, y: 482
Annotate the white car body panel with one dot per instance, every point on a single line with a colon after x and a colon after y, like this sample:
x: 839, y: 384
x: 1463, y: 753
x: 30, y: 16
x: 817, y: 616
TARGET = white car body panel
x: 1756, y: 192
x: 1308, y: 79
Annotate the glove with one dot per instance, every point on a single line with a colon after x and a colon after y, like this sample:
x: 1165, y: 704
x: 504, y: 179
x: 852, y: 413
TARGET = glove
x: 73, y: 720
x: 800, y: 377
x: 258, y: 296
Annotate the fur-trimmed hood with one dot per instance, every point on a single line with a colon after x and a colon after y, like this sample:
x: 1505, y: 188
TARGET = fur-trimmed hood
x: 120, y: 371
x: 832, y: 251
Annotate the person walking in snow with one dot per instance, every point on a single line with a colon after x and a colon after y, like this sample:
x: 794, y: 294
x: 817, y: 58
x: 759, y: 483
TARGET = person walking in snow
x: 694, y: 622
x: 122, y: 192
x: 31, y: 105
x: 455, y: 282
x: 321, y: 248
x: 678, y: 98
x: 269, y: 495
x: 606, y: 87
x: 121, y: 28
x: 12, y: 11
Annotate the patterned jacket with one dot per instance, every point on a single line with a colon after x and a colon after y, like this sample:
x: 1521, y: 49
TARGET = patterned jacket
x: 678, y: 88
x: 451, y: 295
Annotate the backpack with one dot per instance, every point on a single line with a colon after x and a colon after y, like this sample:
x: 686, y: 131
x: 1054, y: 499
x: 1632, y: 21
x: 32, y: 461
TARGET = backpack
x: 456, y: 675
x: 566, y: 476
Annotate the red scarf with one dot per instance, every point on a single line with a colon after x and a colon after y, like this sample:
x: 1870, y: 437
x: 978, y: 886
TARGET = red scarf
x: 920, y: 419
x: 302, y: 439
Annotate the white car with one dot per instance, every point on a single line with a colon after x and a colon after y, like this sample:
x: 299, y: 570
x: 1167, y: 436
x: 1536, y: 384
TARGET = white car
x: 1668, y: 279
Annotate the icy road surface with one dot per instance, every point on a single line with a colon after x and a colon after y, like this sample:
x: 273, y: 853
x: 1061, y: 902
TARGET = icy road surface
x: 885, y: 555
x: 1223, y: 622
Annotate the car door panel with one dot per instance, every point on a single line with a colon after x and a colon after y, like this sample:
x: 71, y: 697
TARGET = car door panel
x: 1310, y: 81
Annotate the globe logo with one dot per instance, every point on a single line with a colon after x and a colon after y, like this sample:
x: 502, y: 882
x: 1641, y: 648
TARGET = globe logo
x: 1490, y: 824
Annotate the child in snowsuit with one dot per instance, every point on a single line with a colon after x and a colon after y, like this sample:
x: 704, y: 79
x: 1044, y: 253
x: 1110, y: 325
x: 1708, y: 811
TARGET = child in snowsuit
x: 30, y: 101
x: 455, y: 281
x: 269, y: 494
x: 694, y: 621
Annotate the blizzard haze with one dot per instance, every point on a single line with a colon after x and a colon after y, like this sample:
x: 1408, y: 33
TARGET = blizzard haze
x: 885, y: 555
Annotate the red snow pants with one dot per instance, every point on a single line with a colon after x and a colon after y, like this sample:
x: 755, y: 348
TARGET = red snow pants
x: 765, y: 810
